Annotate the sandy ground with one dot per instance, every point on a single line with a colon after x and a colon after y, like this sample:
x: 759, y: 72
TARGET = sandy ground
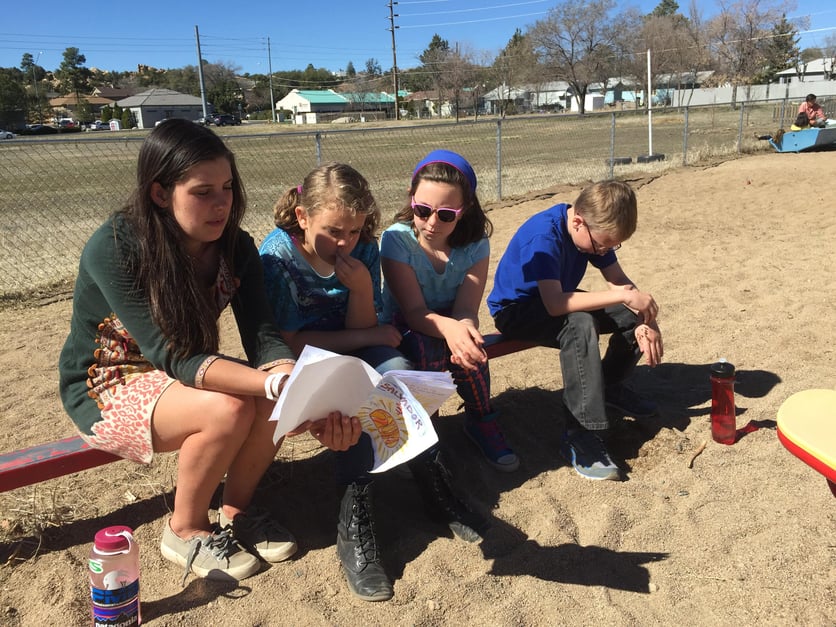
x: 739, y: 256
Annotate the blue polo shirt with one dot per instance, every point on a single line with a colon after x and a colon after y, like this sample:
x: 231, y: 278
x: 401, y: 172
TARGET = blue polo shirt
x: 542, y: 249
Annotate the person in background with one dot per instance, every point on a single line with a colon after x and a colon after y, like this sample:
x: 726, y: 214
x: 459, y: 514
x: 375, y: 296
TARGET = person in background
x: 140, y: 371
x: 535, y: 297
x: 322, y: 277
x: 812, y: 109
x: 802, y: 122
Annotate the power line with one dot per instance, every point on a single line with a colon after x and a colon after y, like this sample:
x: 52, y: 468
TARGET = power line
x: 486, y: 19
x: 471, y: 10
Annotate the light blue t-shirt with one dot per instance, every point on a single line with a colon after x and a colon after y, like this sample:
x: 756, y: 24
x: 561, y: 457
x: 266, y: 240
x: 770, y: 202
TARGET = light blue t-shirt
x: 303, y: 300
x: 399, y: 243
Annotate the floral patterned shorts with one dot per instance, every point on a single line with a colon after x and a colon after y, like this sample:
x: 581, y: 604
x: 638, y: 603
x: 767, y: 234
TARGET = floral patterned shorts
x: 125, y: 427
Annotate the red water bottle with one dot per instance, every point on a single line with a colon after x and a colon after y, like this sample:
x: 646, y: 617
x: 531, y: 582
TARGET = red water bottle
x: 114, y: 578
x: 723, y: 427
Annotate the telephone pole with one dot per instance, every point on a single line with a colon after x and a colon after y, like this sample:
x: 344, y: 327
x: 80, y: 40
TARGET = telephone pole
x: 391, y: 29
x: 200, y: 73
x: 270, y: 69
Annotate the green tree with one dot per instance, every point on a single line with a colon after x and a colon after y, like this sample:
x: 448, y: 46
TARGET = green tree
x: 185, y: 80
x: 33, y: 74
x: 225, y: 95
x: 373, y: 69
x: 433, y: 59
x: 72, y: 74
x: 350, y: 72
x: 665, y: 8
x: 414, y: 79
x: 739, y: 34
x: 780, y: 51
x: 515, y: 66
x: 127, y: 119
x: 12, y: 98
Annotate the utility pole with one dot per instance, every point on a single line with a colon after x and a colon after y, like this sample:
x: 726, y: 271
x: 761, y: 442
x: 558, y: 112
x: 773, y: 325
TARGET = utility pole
x: 200, y: 74
x: 391, y: 29
x: 270, y: 69
x: 35, y: 85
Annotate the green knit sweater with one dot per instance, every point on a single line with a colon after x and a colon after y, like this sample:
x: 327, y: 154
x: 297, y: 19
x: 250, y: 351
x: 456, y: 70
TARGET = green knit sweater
x: 112, y: 332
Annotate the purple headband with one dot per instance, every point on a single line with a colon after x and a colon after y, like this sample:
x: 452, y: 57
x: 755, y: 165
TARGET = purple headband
x: 452, y: 159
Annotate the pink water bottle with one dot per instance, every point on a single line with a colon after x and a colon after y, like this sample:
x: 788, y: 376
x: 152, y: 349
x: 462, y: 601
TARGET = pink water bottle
x: 114, y: 578
x: 723, y: 427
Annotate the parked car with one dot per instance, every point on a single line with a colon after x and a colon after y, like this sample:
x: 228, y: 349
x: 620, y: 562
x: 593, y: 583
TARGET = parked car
x: 6, y: 134
x: 40, y: 129
x: 205, y: 120
x: 226, y: 119
x: 98, y: 125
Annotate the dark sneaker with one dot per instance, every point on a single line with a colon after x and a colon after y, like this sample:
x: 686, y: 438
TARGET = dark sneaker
x: 262, y: 535
x: 626, y: 401
x: 486, y: 435
x: 216, y: 556
x: 588, y: 456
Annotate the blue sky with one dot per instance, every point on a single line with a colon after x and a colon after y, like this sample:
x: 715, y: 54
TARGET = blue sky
x: 324, y: 33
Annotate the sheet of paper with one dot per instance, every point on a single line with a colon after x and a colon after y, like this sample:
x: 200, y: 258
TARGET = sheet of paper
x: 394, y: 409
x: 430, y: 389
x: 399, y: 427
x: 322, y: 382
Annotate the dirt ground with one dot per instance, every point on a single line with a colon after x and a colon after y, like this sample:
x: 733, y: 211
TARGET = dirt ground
x: 739, y: 256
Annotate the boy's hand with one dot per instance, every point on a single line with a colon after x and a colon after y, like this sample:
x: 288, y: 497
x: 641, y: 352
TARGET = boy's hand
x: 649, y: 339
x: 643, y: 304
x: 352, y: 272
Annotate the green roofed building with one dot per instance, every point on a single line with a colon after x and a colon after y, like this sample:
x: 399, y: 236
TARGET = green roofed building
x: 307, y: 105
x: 310, y: 106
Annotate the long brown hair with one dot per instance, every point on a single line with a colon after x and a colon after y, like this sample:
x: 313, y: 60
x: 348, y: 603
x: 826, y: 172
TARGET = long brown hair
x: 165, y: 273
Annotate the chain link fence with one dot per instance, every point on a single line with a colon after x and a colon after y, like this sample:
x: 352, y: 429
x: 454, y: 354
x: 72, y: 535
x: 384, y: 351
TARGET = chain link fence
x: 54, y: 192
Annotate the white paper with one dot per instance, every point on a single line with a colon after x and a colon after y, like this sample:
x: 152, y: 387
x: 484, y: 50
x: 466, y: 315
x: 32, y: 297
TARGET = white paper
x: 394, y: 410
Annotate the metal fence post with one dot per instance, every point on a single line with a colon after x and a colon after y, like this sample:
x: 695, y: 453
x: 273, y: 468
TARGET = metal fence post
x: 499, y: 159
x: 318, y: 140
x: 685, y: 139
x: 612, y: 146
x: 740, y: 130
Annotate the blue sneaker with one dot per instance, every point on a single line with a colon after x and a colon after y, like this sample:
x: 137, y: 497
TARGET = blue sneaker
x: 626, y: 401
x: 588, y: 456
x: 486, y: 435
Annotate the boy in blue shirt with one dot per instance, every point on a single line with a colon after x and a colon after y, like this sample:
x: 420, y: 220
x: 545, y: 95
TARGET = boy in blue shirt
x: 535, y: 297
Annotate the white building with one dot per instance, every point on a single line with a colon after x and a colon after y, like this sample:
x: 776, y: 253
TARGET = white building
x: 155, y: 105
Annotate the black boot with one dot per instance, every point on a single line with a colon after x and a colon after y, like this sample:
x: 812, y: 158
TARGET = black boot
x: 357, y: 546
x: 441, y: 504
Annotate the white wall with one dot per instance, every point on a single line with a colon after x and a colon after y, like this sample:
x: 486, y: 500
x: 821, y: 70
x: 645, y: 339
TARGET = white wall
x: 751, y: 93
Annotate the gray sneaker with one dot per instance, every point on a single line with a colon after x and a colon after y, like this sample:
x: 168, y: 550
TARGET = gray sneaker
x: 216, y: 556
x: 261, y: 534
x: 588, y: 456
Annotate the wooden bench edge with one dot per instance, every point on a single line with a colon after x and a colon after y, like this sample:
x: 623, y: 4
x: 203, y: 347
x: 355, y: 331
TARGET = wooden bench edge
x: 48, y: 461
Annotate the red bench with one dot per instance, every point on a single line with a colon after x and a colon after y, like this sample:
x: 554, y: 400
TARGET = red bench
x: 63, y: 457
